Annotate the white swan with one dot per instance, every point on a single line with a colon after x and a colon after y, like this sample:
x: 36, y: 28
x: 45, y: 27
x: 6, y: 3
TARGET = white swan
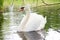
x: 32, y: 21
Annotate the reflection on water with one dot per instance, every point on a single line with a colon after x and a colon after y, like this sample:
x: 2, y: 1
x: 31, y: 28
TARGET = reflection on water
x: 52, y: 35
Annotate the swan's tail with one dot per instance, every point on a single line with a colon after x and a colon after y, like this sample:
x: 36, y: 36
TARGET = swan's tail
x: 45, y: 19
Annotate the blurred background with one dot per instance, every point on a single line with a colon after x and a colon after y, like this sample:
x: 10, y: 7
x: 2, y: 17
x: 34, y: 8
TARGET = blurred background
x: 9, y: 13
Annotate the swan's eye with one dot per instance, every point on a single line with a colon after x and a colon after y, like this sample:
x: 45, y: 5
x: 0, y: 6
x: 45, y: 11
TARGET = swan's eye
x: 22, y: 7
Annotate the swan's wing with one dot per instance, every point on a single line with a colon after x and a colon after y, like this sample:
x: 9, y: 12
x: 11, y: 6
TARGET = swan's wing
x: 42, y: 23
x: 35, y: 22
x: 32, y: 23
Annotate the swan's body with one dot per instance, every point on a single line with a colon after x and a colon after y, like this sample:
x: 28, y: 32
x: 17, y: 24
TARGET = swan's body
x: 30, y: 24
x: 32, y: 21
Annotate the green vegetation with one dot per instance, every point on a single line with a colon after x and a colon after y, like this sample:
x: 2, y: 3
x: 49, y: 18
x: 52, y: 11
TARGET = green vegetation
x: 35, y: 2
x: 1, y: 19
x: 52, y: 12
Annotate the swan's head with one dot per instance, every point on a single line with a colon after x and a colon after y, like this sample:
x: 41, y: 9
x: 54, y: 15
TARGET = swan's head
x: 21, y: 9
x: 27, y: 8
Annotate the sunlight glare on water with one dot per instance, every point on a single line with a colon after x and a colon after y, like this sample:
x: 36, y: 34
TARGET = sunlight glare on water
x: 53, y: 35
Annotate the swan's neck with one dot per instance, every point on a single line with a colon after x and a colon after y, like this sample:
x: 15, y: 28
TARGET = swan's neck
x: 27, y: 10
